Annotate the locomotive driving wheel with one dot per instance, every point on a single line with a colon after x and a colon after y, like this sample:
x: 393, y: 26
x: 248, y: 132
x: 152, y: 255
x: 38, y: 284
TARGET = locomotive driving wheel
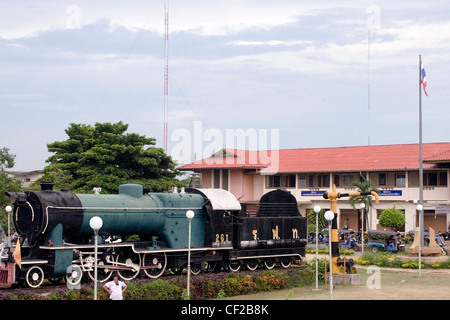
x: 34, y: 276
x: 154, y: 264
x: 128, y: 265
x: 103, y: 273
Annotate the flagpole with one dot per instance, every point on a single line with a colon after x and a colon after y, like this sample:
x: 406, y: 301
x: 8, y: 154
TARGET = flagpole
x: 420, y: 166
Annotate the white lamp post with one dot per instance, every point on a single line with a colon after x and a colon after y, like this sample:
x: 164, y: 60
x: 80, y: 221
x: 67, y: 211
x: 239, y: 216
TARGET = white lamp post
x: 8, y: 211
x: 95, y: 223
x: 189, y: 215
x: 362, y: 205
x: 317, y: 210
x: 329, y: 216
x: 419, y: 209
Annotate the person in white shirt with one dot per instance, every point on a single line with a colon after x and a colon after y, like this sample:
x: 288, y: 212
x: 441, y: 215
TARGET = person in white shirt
x: 115, y: 288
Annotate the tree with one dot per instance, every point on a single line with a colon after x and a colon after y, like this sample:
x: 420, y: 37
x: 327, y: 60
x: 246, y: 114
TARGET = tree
x: 323, y: 223
x: 7, y: 183
x: 392, y: 218
x: 364, y: 186
x: 105, y: 156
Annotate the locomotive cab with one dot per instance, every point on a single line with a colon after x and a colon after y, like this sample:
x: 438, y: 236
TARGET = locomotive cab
x: 222, y: 210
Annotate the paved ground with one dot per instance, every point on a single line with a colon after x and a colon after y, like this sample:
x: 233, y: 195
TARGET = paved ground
x: 384, y: 284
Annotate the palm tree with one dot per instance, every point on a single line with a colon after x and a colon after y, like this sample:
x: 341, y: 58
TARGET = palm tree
x: 363, y: 186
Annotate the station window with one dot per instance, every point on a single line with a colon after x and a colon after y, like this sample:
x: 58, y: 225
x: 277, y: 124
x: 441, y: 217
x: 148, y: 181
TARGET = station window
x: 220, y: 179
x: 400, y: 180
x: 435, y: 179
x: 280, y: 181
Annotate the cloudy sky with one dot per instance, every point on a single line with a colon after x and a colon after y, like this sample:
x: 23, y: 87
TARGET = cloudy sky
x: 296, y: 72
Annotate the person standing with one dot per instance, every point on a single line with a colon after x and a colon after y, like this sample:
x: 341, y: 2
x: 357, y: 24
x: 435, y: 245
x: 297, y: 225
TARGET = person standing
x: 115, y: 288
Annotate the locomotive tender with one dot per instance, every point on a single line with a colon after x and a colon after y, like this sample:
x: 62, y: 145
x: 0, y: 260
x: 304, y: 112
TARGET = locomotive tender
x: 57, y: 241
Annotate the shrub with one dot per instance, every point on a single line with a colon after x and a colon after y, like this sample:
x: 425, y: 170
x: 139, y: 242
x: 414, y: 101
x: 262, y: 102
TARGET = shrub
x: 270, y: 281
x: 203, y: 286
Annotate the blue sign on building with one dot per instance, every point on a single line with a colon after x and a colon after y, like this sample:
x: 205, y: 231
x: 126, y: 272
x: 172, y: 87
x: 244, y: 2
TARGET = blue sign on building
x: 390, y: 193
x: 312, y: 193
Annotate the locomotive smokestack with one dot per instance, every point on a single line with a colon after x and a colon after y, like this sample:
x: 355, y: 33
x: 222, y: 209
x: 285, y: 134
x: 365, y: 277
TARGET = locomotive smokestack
x: 46, y: 185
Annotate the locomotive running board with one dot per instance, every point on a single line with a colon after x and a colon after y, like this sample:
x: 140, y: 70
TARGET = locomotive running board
x: 268, y: 256
x: 132, y: 246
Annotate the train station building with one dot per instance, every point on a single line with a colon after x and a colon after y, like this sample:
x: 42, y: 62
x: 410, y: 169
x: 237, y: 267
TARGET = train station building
x: 308, y: 173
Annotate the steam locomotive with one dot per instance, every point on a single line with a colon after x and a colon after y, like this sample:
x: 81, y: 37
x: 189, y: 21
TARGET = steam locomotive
x: 146, y: 233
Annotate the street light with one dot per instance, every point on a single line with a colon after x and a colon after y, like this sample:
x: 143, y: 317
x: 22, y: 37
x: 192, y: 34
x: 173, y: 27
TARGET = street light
x: 362, y: 205
x: 329, y: 216
x: 419, y: 209
x: 95, y: 223
x: 189, y: 215
x: 8, y: 211
x: 317, y: 210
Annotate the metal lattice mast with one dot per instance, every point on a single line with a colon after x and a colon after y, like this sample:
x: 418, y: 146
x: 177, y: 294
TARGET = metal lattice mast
x: 166, y: 73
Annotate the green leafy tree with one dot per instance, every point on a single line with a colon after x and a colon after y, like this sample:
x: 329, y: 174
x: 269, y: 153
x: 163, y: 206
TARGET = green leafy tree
x: 392, y: 218
x: 105, y: 156
x: 7, y: 183
x: 322, y: 222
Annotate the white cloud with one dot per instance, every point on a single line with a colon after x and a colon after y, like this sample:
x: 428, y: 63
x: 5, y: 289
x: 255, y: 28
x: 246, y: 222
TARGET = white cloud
x: 285, y: 64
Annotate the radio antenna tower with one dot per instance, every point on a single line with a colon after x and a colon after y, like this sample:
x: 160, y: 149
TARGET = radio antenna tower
x: 368, y: 90
x: 166, y: 73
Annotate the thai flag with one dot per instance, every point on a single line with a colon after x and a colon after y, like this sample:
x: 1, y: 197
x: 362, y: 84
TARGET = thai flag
x: 423, y: 78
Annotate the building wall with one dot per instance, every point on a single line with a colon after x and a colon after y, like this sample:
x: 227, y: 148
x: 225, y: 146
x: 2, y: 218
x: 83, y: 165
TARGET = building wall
x: 251, y: 187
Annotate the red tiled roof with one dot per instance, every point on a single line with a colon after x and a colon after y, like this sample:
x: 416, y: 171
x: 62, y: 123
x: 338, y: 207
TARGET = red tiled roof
x: 437, y: 157
x: 230, y: 159
x: 362, y: 158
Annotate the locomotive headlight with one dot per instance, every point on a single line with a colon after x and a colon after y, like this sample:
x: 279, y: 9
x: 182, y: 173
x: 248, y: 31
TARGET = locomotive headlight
x: 16, y: 197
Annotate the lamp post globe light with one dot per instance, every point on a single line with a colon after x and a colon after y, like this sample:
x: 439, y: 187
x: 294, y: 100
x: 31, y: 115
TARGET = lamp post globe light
x: 189, y: 215
x: 317, y: 210
x: 329, y: 216
x: 362, y: 205
x: 95, y: 223
x: 8, y: 211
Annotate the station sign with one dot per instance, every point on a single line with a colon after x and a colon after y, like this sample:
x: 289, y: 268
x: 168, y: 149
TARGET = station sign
x: 390, y: 193
x: 312, y: 193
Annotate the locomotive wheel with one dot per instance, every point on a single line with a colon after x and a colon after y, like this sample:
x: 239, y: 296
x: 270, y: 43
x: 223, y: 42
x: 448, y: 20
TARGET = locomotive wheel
x: 270, y: 264
x: 158, y: 262
x: 75, y: 275
x: 252, y: 266
x: 34, y: 276
x: 196, y: 268
x: 131, y: 263
x: 286, y: 263
x: 103, y: 273
x: 234, y: 266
